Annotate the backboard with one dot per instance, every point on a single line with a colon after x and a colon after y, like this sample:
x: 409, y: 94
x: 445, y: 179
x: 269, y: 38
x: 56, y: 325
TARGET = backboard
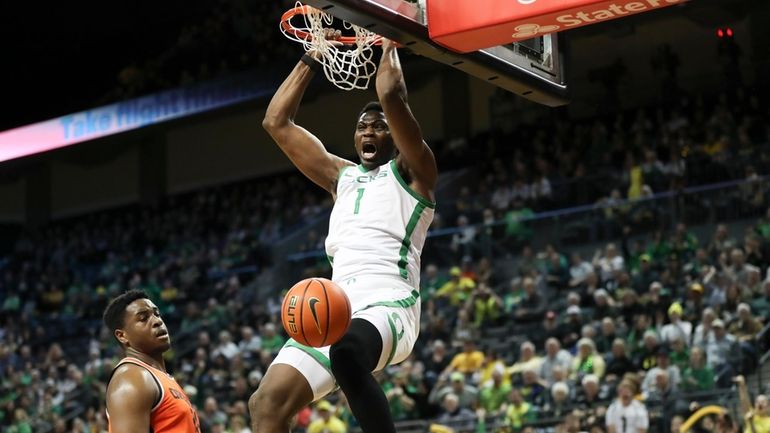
x: 532, y: 68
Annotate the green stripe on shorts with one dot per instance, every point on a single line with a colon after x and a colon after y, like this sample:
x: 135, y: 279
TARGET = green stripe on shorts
x: 398, y: 303
x: 395, y: 340
x: 318, y: 356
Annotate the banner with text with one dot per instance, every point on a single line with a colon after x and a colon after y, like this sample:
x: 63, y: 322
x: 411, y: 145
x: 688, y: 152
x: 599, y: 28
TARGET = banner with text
x: 465, y: 26
x: 131, y: 114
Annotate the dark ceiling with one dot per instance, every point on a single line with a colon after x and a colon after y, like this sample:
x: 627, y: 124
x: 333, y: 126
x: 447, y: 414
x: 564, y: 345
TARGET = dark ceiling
x: 61, y: 57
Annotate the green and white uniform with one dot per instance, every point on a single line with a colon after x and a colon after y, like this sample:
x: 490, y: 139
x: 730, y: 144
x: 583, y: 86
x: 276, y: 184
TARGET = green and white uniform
x: 377, y: 231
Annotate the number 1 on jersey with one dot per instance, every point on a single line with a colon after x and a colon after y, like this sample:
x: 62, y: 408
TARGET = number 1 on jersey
x: 358, y: 201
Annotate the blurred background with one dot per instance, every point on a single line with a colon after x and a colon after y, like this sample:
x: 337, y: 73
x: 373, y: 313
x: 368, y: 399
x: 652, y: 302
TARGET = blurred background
x: 625, y: 236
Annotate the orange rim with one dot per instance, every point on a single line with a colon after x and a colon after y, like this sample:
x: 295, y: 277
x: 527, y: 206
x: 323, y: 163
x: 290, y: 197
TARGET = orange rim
x: 301, y: 34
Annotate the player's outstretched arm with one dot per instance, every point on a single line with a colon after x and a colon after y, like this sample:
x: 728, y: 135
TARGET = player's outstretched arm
x: 304, y: 149
x: 131, y: 395
x: 415, y: 154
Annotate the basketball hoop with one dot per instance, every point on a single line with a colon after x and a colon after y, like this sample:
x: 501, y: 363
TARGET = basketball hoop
x: 349, y: 66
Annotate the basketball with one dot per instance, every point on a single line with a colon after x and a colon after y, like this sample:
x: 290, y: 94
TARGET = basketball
x: 316, y: 312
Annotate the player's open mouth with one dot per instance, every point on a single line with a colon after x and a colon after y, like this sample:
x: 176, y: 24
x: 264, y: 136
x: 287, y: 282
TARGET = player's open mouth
x: 162, y: 334
x: 368, y: 150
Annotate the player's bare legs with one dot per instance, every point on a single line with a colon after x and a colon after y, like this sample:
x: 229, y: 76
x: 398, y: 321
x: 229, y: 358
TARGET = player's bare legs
x: 281, y: 394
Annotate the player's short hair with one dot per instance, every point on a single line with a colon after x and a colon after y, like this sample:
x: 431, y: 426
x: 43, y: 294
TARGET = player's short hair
x: 114, y: 314
x: 371, y: 106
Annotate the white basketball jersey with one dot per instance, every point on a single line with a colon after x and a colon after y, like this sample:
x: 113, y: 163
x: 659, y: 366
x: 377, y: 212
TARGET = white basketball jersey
x: 378, y: 226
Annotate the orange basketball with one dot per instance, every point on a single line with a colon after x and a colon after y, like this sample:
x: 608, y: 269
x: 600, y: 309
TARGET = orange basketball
x: 316, y: 312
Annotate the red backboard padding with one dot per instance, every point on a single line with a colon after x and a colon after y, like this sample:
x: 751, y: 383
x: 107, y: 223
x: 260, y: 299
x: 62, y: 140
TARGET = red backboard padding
x: 470, y: 25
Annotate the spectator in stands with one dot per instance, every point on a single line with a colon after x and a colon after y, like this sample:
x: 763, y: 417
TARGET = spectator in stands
x: 610, y: 263
x: 327, y: 421
x: 629, y: 306
x: 704, y: 330
x: 588, y: 331
x: 493, y: 395
x: 744, y: 327
x: 757, y: 417
x: 694, y: 302
x: 226, y: 347
x: 436, y: 362
x: 754, y: 252
x: 721, y: 351
x: 517, y: 230
x: 556, y: 271
x: 464, y: 240
x: 518, y: 411
x: 619, y: 363
x: 431, y: 282
x: 554, y: 356
x: 572, y: 326
x: 467, y: 268
x: 677, y: 328
x: 467, y: 395
x: 720, y: 242
x: 532, y: 388
x: 679, y: 353
x: 700, y: 267
x: 457, y: 289
x: 645, y: 276
x: 271, y: 340
x: 591, y: 396
x: 673, y: 375
x: 647, y: 357
x: 485, y: 272
x: 587, y: 361
x: 739, y: 270
x: 528, y: 359
x: 604, y: 306
x: 250, y: 343
x: 464, y: 328
x: 558, y: 404
x: 21, y: 422
x: 212, y: 414
x: 532, y: 306
x: 684, y: 242
x: 607, y: 336
x: 486, y: 306
x: 753, y: 286
x: 492, y: 362
x: 625, y: 414
x: 733, y: 297
x: 454, y: 415
x: 665, y: 395
x: 579, y: 270
x: 698, y: 376
x: 469, y: 361
x: 657, y: 301
x: 592, y: 284
x: 399, y: 394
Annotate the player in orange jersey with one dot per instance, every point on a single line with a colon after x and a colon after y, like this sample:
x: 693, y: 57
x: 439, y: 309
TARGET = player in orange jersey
x: 141, y: 396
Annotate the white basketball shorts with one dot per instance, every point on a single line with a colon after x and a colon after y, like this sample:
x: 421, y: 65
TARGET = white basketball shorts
x: 391, y: 305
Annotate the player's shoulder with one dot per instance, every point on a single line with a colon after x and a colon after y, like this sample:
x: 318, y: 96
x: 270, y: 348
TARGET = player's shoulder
x: 133, y: 379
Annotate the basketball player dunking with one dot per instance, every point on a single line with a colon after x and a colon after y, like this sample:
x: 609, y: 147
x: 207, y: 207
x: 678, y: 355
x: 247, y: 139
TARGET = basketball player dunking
x: 141, y: 396
x: 378, y: 225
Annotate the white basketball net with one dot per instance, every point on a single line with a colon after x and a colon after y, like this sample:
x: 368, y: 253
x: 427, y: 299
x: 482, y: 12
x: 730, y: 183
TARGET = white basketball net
x: 348, y: 67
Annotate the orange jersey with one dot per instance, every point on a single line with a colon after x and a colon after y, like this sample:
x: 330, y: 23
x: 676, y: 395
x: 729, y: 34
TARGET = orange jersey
x: 174, y: 413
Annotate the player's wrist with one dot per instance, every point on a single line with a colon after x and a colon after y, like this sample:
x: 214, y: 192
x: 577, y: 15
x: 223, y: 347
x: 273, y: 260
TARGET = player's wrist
x: 311, y: 62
